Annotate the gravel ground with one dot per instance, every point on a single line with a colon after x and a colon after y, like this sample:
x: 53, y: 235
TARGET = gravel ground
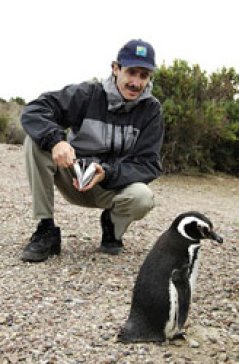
x: 70, y: 308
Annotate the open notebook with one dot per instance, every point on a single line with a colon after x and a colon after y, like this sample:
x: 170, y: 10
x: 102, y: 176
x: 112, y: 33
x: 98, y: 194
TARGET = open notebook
x: 84, y: 175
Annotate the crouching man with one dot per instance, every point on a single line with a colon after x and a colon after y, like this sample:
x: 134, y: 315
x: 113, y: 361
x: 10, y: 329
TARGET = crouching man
x: 116, y: 124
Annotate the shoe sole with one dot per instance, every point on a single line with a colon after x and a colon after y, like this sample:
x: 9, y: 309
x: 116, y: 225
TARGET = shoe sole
x: 111, y: 251
x: 31, y: 257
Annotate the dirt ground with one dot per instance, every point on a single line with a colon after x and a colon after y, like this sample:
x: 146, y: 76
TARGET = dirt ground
x: 69, y: 309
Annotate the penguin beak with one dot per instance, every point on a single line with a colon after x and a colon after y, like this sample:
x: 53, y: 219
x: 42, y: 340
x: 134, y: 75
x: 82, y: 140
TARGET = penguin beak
x: 208, y: 233
x: 212, y: 235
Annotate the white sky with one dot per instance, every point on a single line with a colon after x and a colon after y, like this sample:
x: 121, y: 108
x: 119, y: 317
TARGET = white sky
x: 47, y: 44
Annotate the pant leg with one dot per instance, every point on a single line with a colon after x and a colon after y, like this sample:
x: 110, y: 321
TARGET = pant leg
x: 133, y: 203
x: 127, y: 205
x: 40, y: 171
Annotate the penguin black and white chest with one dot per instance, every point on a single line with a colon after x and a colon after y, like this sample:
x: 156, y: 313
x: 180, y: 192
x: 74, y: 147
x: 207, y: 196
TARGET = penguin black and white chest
x: 163, y: 289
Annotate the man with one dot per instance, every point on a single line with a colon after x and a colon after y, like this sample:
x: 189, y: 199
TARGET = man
x: 116, y: 124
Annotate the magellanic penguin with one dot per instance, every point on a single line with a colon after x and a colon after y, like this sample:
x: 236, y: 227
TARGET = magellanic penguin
x: 164, y: 285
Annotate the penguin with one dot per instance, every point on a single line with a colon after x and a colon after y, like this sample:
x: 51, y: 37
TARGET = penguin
x: 166, y: 280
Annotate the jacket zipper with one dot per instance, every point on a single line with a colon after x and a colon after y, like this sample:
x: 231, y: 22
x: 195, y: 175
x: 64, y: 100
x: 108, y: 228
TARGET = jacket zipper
x: 122, y: 140
x: 113, y: 138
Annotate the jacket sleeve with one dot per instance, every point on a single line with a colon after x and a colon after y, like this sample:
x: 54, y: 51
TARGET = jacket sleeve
x: 46, y: 118
x: 144, y: 163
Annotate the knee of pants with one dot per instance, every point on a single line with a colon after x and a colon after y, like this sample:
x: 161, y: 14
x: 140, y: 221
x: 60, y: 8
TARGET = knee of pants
x: 140, y: 200
x: 144, y: 201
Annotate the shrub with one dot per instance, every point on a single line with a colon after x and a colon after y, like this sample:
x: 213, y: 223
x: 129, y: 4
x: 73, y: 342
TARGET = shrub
x: 3, y: 126
x: 201, y: 118
x: 14, y: 133
x: 10, y: 129
x: 20, y: 101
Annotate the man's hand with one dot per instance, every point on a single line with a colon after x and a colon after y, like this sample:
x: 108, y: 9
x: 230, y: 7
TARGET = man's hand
x: 98, y: 177
x: 63, y: 154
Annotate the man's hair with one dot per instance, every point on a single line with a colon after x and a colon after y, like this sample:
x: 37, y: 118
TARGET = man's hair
x: 114, y: 63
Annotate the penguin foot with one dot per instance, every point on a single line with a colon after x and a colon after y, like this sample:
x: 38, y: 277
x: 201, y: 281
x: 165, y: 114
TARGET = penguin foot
x: 179, y: 336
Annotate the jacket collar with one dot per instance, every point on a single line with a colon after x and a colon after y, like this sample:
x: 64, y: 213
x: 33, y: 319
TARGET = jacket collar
x: 116, y: 101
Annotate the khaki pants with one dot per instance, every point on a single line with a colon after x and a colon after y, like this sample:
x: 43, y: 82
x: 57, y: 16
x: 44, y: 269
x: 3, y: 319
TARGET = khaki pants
x: 128, y: 204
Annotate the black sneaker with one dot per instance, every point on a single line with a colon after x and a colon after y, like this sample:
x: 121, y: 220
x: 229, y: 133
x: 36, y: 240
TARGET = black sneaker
x: 46, y: 241
x: 109, y: 244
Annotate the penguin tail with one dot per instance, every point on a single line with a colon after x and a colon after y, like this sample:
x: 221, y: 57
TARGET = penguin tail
x: 128, y: 333
x: 133, y: 332
x: 123, y: 337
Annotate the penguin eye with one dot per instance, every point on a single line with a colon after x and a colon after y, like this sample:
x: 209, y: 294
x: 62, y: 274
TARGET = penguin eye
x: 204, y: 230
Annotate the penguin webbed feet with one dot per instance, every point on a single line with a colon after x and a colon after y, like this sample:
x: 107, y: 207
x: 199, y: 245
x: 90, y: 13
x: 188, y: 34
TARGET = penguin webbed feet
x: 181, y: 335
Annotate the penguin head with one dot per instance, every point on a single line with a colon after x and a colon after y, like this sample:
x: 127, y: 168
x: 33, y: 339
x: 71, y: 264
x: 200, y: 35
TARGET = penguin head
x: 194, y: 226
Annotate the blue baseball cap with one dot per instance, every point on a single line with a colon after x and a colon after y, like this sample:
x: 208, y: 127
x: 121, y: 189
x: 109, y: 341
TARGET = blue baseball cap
x: 137, y: 53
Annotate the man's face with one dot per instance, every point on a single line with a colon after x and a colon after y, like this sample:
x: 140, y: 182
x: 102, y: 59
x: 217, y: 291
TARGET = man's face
x: 131, y: 81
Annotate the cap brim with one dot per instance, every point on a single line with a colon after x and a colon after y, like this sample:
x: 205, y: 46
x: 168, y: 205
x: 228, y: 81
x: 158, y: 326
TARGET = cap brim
x: 134, y: 63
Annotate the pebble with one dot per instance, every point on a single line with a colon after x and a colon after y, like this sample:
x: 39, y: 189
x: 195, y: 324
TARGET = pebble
x: 222, y: 357
x: 3, y: 318
x: 168, y: 354
x: 235, y: 339
x: 212, y: 339
x: 193, y: 343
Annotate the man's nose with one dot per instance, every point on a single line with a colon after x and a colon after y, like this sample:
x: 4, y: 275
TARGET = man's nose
x: 136, y: 81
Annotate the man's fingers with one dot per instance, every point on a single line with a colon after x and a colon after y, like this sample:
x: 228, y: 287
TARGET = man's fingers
x: 63, y: 154
x: 76, y: 183
x: 95, y: 180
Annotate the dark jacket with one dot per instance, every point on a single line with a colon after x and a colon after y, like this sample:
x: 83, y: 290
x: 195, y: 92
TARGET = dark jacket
x: 124, y: 137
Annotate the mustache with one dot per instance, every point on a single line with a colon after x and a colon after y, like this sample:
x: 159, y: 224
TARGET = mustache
x: 133, y: 87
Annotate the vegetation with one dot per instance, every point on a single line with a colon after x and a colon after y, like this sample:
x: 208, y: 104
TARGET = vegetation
x: 3, y: 126
x: 201, y: 118
x: 11, y: 130
x: 201, y: 115
x: 18, y: 100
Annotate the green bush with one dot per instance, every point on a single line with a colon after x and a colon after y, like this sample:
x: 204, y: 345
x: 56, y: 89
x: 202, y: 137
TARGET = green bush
x: 20, y: 101
x: 201, y: 118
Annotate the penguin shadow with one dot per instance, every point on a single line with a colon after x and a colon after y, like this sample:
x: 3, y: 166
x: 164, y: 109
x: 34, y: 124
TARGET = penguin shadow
x: 163, y: 289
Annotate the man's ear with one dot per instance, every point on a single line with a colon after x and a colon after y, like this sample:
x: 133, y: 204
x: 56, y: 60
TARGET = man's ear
x: 152, y: 76
x: 115, y: 68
